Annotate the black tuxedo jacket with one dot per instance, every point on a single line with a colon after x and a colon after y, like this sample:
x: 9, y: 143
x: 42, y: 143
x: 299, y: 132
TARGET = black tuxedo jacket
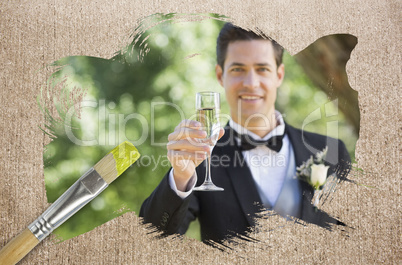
x: 226, y: 213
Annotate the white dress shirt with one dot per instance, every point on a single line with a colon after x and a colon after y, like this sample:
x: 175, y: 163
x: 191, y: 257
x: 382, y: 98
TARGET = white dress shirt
x: 267, y: 167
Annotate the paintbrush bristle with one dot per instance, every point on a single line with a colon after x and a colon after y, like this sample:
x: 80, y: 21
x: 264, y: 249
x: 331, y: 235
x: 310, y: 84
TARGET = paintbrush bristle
x: 117, y: 161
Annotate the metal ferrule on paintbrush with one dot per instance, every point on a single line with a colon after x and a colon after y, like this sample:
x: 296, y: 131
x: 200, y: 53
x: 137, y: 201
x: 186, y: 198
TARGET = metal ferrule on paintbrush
x: 77, y: 196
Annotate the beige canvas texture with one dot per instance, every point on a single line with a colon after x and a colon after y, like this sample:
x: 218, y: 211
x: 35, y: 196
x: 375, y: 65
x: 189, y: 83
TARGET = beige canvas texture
x: 36, y: 33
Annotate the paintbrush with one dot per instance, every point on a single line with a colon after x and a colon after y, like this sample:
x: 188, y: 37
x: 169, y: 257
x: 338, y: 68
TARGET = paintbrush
x: 86, y: 188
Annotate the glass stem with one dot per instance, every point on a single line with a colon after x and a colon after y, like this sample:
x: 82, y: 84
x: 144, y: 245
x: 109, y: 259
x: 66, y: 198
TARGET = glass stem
x: 208, y: 170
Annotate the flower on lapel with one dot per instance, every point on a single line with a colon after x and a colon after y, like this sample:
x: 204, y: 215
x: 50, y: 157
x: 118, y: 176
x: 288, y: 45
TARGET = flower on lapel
x: 318, y: 175
x: 314, y: 172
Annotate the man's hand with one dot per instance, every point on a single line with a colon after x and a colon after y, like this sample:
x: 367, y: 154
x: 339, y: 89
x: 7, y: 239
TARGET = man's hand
x: 186, y: 150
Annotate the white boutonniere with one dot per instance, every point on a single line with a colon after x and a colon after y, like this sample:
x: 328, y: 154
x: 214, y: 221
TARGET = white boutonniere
x: 314, y: 172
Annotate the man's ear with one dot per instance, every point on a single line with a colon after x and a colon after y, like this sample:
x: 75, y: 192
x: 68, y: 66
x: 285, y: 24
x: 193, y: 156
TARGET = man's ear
x: 280, y: 73
x: 219, y: 73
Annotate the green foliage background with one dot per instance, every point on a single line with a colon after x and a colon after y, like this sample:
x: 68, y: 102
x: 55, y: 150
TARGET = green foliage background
x: 140, y: 95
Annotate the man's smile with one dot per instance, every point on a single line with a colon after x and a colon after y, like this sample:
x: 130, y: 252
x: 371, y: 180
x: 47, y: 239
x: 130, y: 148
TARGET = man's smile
x: 250, y: 97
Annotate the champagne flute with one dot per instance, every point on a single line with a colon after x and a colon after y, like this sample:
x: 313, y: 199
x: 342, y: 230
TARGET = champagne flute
x: 208, y: 105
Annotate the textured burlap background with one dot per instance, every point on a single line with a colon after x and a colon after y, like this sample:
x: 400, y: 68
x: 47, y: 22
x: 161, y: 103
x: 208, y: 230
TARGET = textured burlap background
x: 35, y: 34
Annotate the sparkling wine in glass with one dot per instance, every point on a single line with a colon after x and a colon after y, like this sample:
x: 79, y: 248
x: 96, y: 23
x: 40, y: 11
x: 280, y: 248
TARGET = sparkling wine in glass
x: 208, y: 105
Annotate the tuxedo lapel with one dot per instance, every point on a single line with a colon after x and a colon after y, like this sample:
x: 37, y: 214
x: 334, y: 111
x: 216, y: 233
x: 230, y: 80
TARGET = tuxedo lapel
x: 241, y: 178
x: 302, y: 154
x: 299, y: 148
x: 309, y: 213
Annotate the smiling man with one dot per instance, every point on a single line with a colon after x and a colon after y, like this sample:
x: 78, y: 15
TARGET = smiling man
x: 251, y: 76
x: 255, y: 159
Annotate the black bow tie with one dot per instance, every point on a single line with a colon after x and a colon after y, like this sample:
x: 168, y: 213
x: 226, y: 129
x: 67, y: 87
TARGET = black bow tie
x: 247, y: 142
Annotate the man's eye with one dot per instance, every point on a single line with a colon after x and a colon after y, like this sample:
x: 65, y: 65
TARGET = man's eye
x: 237, y: 69
x: 263, y: 69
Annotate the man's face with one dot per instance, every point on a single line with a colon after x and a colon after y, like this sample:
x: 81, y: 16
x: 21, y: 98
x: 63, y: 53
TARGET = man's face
x: 250, y: 78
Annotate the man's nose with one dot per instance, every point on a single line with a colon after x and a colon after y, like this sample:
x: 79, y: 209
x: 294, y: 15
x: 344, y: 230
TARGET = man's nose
x: 251, y: 80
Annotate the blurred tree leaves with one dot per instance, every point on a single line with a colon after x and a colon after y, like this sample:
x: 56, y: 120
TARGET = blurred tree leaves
x: 140, y: 95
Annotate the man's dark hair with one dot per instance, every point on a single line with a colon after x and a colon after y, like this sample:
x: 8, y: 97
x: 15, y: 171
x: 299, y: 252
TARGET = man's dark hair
x: 230, y: 33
